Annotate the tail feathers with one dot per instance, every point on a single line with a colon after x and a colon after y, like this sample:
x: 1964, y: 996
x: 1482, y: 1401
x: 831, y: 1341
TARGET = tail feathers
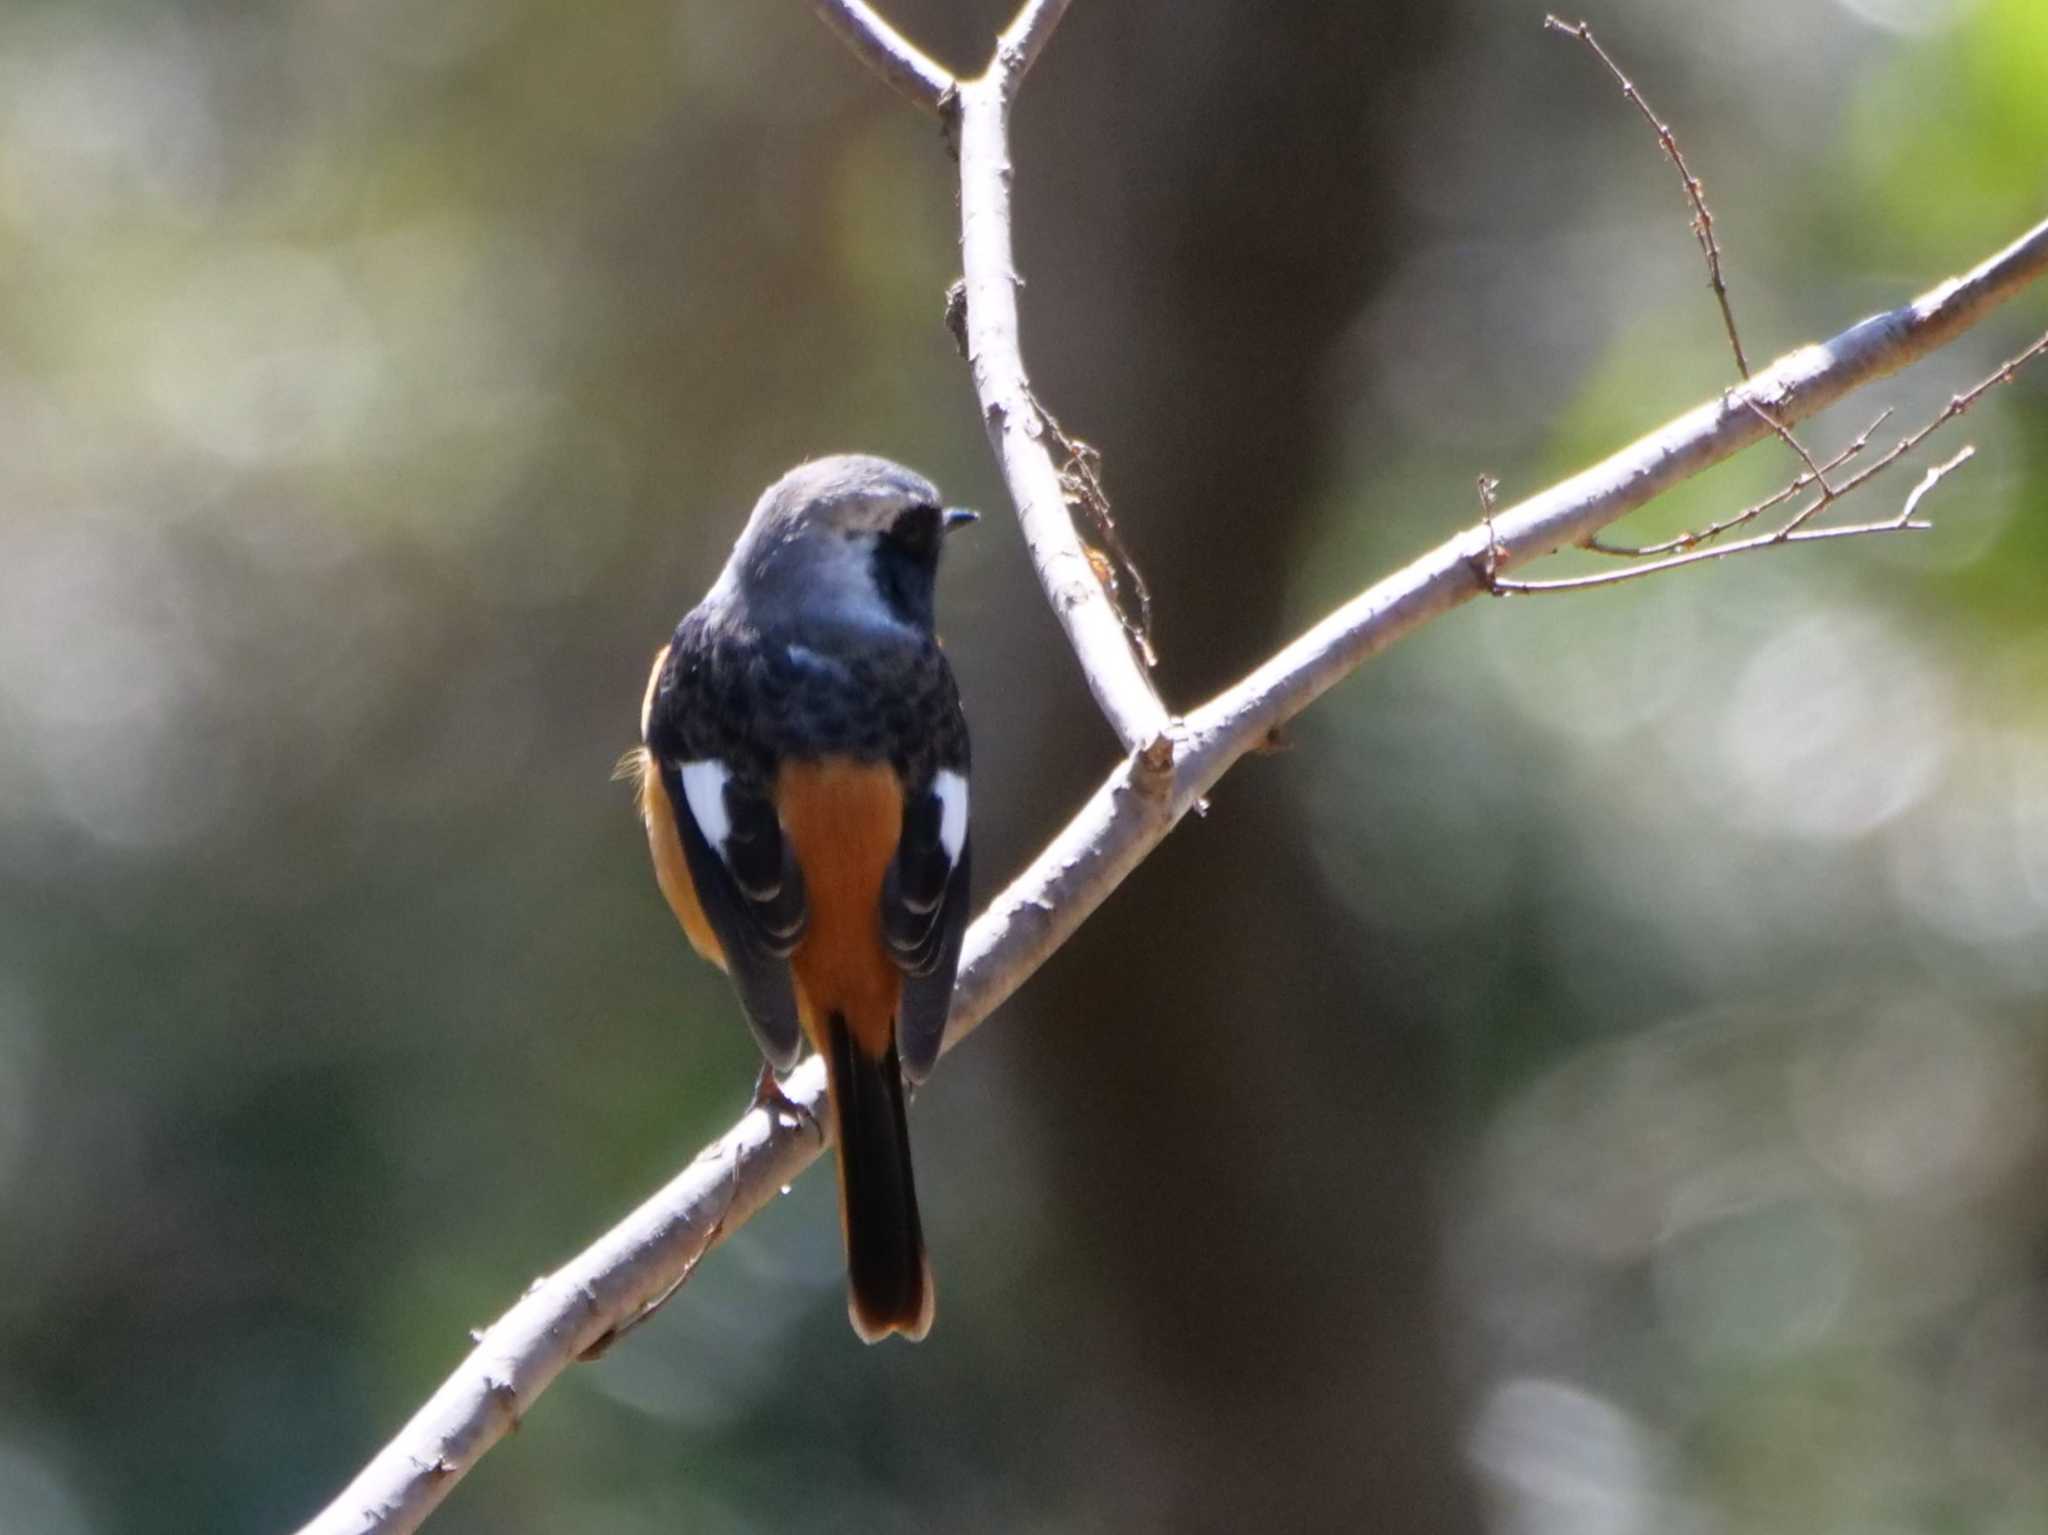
x: 889, y: 1282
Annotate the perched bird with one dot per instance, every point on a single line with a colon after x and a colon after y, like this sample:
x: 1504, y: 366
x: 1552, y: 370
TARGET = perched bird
x: 803, y: 781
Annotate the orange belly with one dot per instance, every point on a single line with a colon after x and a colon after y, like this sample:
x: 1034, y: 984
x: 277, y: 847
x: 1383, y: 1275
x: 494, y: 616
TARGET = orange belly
x: 843, y: 819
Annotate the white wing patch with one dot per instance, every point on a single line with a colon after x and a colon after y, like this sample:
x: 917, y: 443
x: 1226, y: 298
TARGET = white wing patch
x: 951, y: 788
x: 704, y: 790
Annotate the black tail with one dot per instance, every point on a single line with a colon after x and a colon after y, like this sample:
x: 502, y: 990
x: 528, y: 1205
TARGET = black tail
x: 889, y: 1284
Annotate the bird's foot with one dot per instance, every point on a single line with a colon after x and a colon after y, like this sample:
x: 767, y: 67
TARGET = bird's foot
x: 768, y: 1095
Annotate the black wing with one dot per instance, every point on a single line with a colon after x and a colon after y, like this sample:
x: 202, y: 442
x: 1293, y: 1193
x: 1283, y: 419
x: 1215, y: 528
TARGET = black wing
x: 924, y: 918
x: 752, y: 893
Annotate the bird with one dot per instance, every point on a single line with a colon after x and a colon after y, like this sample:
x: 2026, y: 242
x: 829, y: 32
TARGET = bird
x: 803, y: 783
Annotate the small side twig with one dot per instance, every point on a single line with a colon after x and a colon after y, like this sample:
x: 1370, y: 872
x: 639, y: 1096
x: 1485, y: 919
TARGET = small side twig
x: 1784, y: 435
x: 1710, y: 249
x: 1957, y: 404
x: 1692, y: 547
x: 1489, y: 489
x: 1903, y: 522
x: 2002, y: 374
x: 1795, y: 529
x: 1747, y: 515
x: 1702, y: 216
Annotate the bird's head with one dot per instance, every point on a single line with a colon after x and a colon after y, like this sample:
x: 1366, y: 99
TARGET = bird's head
x: 851, y: 539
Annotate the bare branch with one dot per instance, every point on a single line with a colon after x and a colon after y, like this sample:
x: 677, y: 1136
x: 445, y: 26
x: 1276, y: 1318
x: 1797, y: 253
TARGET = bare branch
x: 1702, y: 218
x: 1957, y: 404
x: 1023, y: 40
x: 1489, y: 498
x: 986, y: 309
x: 1081, y: 479
x: 913, y: 72
x: 1796, y: 386
x: 1795, y: 530
x: 1748, y: 514
x: 1136, y: 806
x: 1772, y: 540
x: 1816, y: 474
x: 1017, y: 429
x: 1933, y: 477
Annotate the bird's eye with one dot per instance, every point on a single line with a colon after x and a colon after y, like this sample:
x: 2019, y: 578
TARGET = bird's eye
x: 916, y: 530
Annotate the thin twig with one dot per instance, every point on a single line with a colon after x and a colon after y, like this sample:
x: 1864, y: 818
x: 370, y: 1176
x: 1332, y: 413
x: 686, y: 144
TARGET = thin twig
x: 1703, y: 232
x: 1957, y: 404
x: 1748, y: 514
x: 1771, y: 540
x: 913, y: 72
x: 1791, y: 533
x: 1489, y: 491
x: 1933, y: 477
x: 1817, y: 473
x: 1702, y: 217
x: 1125, y: 819
x: 1795, y: 529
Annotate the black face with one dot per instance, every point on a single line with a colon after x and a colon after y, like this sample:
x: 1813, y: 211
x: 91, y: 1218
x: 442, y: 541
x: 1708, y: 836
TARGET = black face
x: 907, y: 563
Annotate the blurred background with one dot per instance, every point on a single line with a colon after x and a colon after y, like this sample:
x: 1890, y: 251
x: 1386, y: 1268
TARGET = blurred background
x: 1593, y: 1083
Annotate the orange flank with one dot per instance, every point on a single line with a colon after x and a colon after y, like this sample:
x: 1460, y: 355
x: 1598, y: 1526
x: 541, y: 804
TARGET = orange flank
x: 659, y: 817
x: 663, y: 841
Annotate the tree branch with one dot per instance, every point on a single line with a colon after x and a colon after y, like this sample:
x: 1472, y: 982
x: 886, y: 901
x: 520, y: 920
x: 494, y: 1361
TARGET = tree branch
x: 894, y: 57
x: 1795, y: 529
x: 1017, y: 429
x: 1020, y: 44
x: 1702, y: 216
x: 1796, y: 386
x: 608, y: 1286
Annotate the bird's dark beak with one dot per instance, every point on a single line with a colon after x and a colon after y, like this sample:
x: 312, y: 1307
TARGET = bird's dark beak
x: 958, y: 517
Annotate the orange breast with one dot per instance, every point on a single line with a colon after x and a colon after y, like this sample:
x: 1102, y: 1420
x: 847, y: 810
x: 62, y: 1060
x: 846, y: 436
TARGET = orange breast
x: 843, y: 819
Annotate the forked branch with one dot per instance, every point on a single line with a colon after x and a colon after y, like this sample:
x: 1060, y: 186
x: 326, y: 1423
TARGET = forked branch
x: 1173, y: 763
x: 1017, y: 428
x: 888, y: 52
x: 562, y: 1316
x: 978, y: 112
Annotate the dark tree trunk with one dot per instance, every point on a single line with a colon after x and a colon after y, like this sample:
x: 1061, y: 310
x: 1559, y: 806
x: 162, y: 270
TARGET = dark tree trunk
x: 1233, y: 1124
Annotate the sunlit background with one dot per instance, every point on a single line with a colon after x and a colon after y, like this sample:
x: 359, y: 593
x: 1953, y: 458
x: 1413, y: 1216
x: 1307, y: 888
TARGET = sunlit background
x: 1591, y: 1084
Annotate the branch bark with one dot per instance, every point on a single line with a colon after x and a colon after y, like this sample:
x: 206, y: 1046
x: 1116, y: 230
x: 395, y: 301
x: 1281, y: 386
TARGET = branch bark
x: 608, y: 1286
x: 890, y: 54
x: 1017, y: 429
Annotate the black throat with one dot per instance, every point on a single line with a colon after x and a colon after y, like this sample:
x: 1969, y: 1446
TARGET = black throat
x: 906, y: 566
